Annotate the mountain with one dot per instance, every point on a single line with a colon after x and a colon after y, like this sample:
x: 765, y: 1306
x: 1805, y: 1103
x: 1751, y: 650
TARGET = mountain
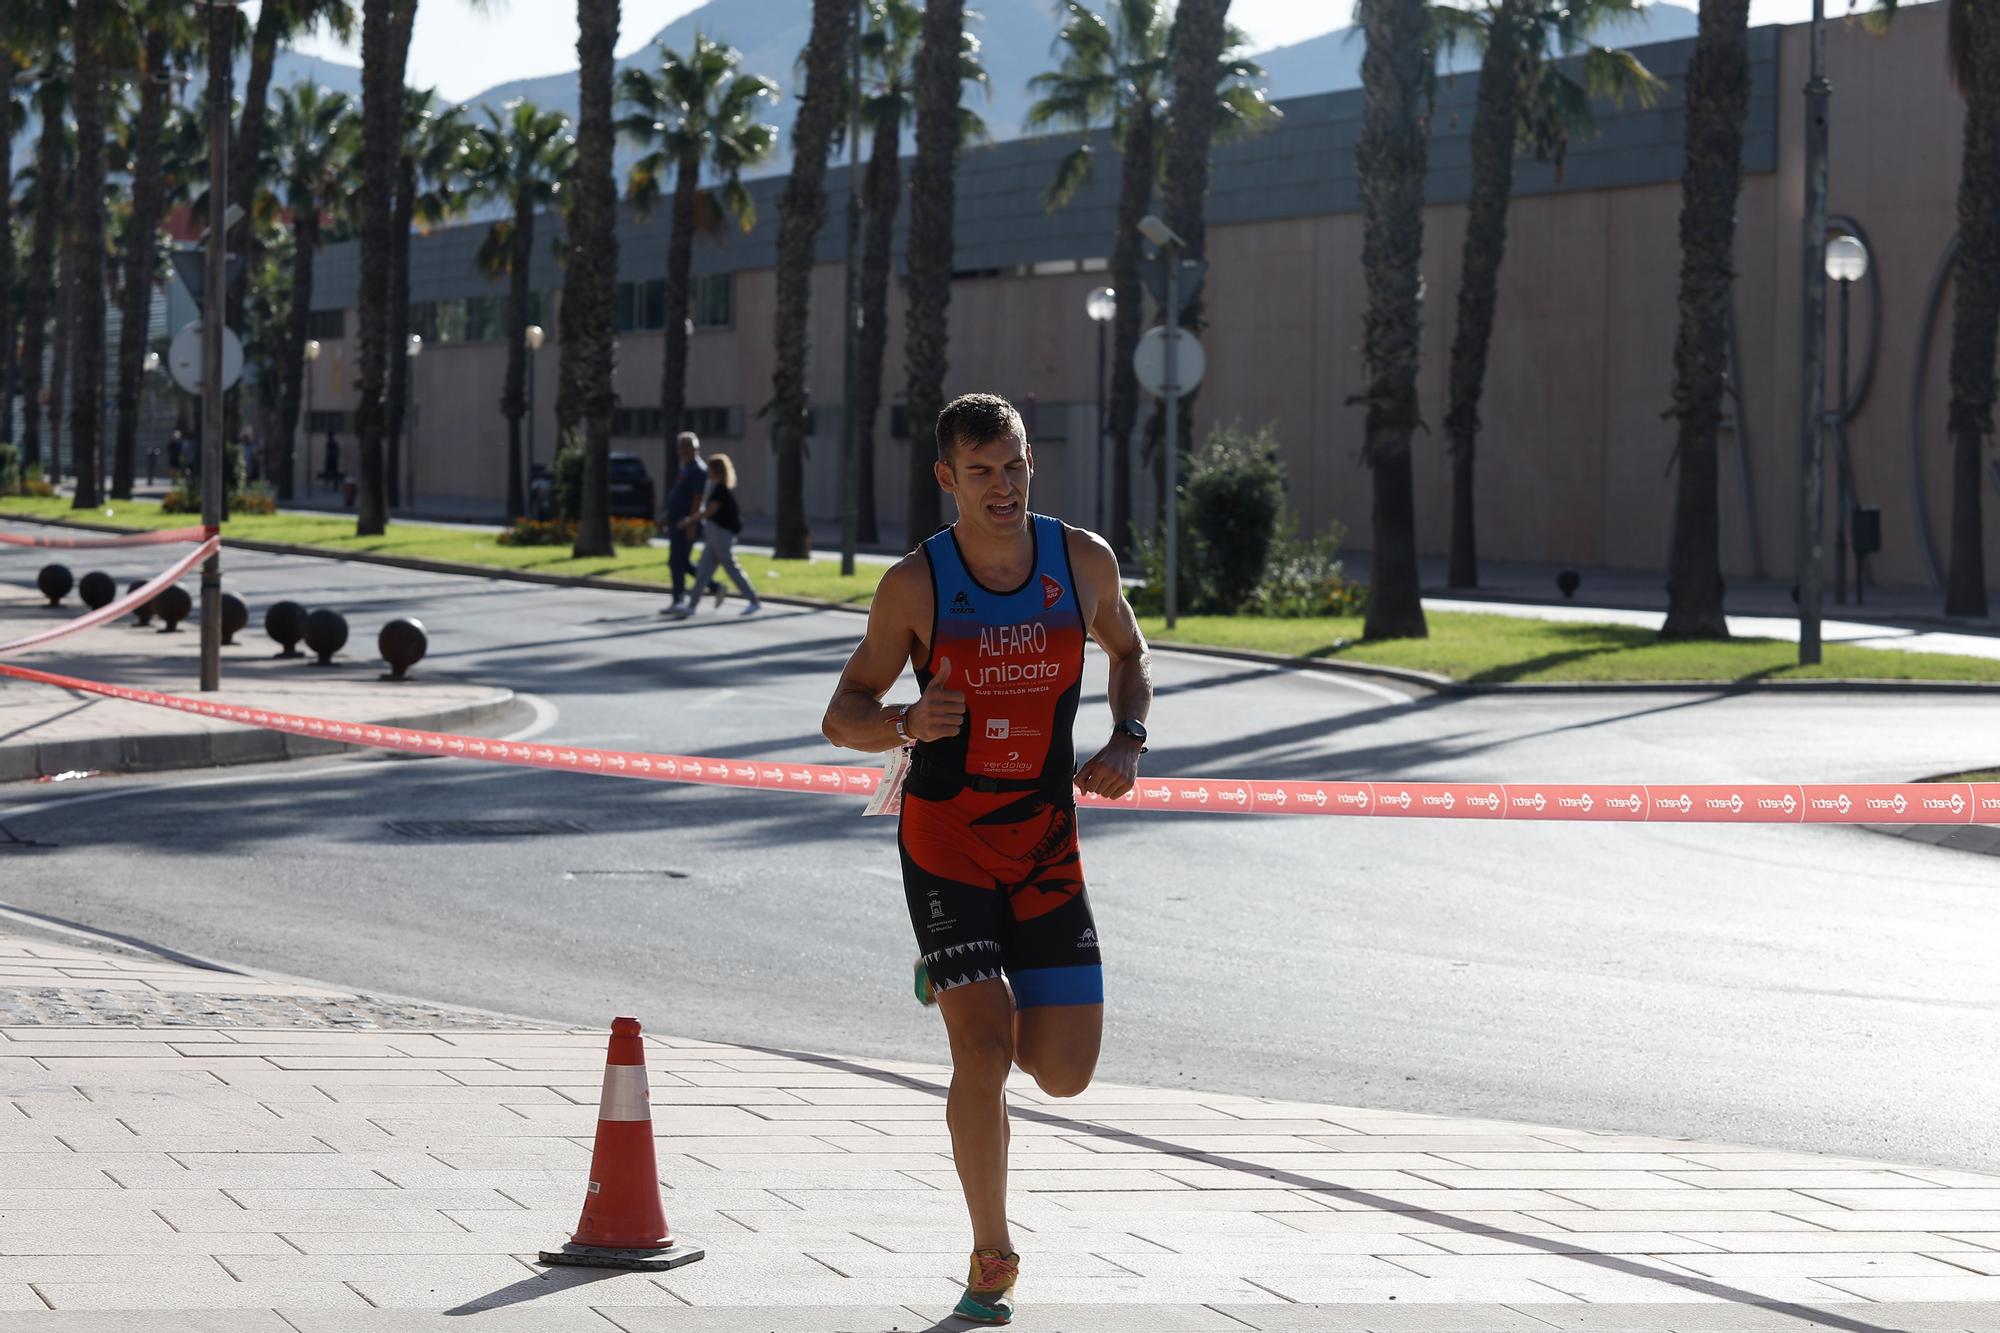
x: 1332, y: 61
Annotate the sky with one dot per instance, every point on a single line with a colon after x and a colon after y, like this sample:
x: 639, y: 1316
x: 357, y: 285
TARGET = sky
x: 462, y: 53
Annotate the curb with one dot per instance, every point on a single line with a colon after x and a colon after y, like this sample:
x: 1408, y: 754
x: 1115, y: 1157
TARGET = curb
x: 212, y: 749
x: 1424, y: 681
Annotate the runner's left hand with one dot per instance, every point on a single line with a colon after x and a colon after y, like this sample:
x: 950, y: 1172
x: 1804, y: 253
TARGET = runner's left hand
x: 1112, y: 771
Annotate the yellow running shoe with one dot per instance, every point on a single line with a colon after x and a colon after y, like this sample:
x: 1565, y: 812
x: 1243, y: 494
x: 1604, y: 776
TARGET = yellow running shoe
x: 989, y: 1288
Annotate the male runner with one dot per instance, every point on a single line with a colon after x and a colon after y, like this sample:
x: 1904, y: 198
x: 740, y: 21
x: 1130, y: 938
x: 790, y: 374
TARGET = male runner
x: 991, y: 613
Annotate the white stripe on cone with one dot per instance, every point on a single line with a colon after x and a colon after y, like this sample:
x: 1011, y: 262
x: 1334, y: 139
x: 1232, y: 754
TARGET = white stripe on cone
x: 625, y: 1094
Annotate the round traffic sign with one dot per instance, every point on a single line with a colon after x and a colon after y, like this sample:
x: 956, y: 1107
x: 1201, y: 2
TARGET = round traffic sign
x: 184, y: 358
x: 1149, y: 360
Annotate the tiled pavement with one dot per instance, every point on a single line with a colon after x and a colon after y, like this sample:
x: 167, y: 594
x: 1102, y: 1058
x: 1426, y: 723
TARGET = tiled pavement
x: 230, y: 1172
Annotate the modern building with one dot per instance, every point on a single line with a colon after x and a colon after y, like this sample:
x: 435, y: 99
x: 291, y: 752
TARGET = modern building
x: 1576, y: 457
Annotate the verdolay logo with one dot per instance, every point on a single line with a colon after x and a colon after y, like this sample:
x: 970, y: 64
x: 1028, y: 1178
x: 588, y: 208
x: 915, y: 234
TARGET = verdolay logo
x: 1052, y: 592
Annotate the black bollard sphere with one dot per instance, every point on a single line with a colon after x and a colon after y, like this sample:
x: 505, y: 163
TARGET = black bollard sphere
x: 1569, y: 581
x: 97, y: 588
x: 55, y: 581
x: 173, y: 606
x: 286, y: 622
x: 144, y: 610
x: 402, y: 644
x: 326, y: 634
x: 235, y: 615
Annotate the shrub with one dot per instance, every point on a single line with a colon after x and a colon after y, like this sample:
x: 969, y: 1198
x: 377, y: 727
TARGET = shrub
x: 568, y: 477
x: 10, y: 468
x: 1232, y: 502
x: 562, y: 532
x: 184, y: 497
x: 1240, y: 551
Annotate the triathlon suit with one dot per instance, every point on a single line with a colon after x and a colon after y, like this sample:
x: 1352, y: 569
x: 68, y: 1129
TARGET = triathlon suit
x: 988, y: 834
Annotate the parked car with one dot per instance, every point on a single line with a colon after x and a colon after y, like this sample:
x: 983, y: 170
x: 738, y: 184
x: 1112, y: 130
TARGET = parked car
x: 631, y: 488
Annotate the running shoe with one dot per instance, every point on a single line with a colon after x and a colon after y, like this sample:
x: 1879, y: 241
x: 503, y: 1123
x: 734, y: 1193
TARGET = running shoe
x: 925, y: 995
x: 989, y: 1288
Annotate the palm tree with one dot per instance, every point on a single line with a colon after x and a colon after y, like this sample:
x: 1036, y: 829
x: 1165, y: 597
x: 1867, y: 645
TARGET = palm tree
x: 313, y: 139
x: 1390, y: 158
x: 1526, y: 97
x: 1117, y: 70
x: 1972, y: 55
x: 1718, y: 98
x: 929, y: 248
x: 51, y: 156
x: 519, y: 159
x: 89, y: 34
x: 801, y: 212
x: 12, y: 45
x: 166, y: 40
x: 587, y: 341
x: 699, y: 111
x: 427, y: 192
x: 385, y: 50
x: 888, y: 52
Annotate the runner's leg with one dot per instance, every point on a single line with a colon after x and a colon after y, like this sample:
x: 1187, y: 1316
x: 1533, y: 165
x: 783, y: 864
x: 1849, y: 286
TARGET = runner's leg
x: 1057, y: 1045
x: 979, y: 1020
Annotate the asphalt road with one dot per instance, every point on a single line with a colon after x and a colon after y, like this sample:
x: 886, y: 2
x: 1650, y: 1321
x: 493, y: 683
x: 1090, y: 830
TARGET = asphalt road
x: 1816, y: 988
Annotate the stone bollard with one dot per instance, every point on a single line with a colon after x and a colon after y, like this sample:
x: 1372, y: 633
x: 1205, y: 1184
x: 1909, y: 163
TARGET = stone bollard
x: 286, y: 623
x: 55, y: 581
x: 326, y: 634
x: 235, y: 615
x: 98, y: 589
x: 173, y: 605
x: 402, y: 644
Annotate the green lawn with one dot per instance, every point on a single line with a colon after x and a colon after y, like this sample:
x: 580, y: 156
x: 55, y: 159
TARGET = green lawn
x: 1983, y: 775
x: 1469, y: 647
x: 1489, y: 649
x: 817, y: 578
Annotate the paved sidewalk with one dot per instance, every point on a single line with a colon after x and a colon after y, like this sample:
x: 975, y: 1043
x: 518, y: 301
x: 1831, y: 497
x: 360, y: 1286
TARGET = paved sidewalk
x: 259, y: 1154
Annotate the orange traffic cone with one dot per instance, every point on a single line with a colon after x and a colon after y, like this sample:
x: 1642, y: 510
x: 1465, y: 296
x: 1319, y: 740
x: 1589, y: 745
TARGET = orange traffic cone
x: 623, y: 1224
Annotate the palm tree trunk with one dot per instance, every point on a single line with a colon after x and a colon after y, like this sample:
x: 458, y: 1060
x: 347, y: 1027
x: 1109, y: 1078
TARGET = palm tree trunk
x: 801, y: 212
x: 291, y: 377
x: 882, y: 188
x: 1718, y: 98
x: 1975, y: 307
x: 41, y: 270
x: 399, y: 319
x: 385, y: 28
x: 141, y: 241
x: 7, y: 253
x: 680, y: 259
x: 1200, y: 31
x: 593, y: 270
x: 929, y: 253
x: 60, y: 351
x: 1135, y: 194
x: 245, y: 148
x: 1494, y: 121
x: 1391, y: 158
x: 87, y: 242
x: 514, y: 398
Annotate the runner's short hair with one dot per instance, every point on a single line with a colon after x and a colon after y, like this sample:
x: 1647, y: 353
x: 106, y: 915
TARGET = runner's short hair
x: 976, y: 419
x: 688, y: 438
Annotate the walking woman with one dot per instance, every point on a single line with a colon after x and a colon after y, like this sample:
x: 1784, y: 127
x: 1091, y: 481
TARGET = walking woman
x: 718, y: 519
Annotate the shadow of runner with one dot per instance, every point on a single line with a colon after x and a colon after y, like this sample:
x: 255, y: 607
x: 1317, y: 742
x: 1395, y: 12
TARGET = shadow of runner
x: 1812, y: 1316
x: 536, y: 1285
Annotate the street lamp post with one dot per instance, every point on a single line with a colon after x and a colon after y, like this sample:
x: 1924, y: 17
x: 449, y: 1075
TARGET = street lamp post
x: 1846, y: 263
x: 414, y: 349
x: 1102, y: 307
x: 850, y: 420
x: 532, y: 336
x: 287, y: 482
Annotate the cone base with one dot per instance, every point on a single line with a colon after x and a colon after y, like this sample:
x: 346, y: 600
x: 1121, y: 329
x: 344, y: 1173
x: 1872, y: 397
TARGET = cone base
x: 599, y: 1256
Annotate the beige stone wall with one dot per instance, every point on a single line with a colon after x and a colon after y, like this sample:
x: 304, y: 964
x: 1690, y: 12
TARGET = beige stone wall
x: 1574, y: 462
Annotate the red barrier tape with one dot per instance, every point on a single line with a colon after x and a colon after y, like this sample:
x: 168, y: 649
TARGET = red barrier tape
x: 1850, y: 803
x: 161, y: 538
x: 112, y: 610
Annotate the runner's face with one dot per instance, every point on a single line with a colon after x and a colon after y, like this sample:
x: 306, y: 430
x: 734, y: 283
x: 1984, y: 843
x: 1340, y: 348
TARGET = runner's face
x: 990, y: 483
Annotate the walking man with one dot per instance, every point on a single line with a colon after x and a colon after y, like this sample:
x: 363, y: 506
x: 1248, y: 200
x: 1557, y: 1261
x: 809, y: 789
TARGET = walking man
x: 991, y: 613
x: 688, y: 484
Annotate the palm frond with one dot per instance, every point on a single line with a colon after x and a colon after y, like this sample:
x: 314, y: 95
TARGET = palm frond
x: 1071, y: 174
x: 1618, y: 74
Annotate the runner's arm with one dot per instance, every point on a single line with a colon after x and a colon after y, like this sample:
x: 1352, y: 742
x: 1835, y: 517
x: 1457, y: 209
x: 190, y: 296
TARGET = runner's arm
x: 857, y: 718
x: 1113, y: 770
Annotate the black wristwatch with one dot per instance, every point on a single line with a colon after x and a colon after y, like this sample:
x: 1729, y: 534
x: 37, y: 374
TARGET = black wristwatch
x: 1129, y: 727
